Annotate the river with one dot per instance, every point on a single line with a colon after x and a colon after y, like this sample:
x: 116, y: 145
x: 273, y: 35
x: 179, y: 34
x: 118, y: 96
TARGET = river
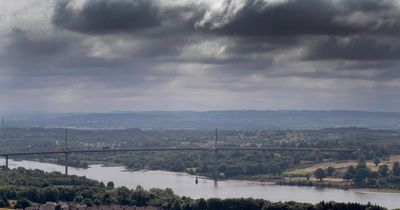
x: 184, y: 184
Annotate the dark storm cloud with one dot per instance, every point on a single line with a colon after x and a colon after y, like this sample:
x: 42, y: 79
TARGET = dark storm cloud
x: 255, y: 18
x: 358, y: 48
x: 57, y: 53
x: 258, y: 26
x: 257, y: 32
x: 23, y: 46
x: 107, y: 16
x: 62, y: 61
x: 367, y: 5
x: 289, y: 18
x: 309, y: 17
x: 44, y: 55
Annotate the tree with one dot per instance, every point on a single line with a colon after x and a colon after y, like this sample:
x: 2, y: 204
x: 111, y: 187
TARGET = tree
x: 361, y: 162
x: 108, y: 200
x: 22, y: 203
x: 275, y: 169
x: 330, y: 171
x: 396, y: 169
x: 123, y: 194
x: 201, y: 204
x: 140, y: 197
x: 319, y: 174
x: 176, y: 205
x: 32, y: 194
x: 384, y: 170
x: 88, y: 202
x: 97, y: 202
x: 351, y: 171
x: 177, y: 165
x: 374, y: 175
x: 376, y: 161
x: 360, y: 175
x: 110, y: 184
x: 78, y: 199
x: 308, y: 176
x: 87, y: 193
x: 102, y: 185
x: 214, y: 204
x: 50, y: 194
x: 2, y: 203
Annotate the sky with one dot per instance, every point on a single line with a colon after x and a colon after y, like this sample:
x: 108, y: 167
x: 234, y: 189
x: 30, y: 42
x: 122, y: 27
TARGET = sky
x: 139, y: 55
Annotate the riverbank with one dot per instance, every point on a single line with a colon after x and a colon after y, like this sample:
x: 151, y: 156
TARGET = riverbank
x: 371, y: 190
x: 288, y: 178
x: 184, y: 184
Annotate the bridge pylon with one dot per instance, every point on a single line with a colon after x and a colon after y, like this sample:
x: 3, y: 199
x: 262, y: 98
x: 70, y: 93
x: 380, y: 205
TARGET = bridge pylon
x: 216, y: 157
x: 66, y: 151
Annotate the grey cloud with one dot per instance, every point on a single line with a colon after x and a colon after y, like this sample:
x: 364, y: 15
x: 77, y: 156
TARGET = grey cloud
x: 44, y: 55
x: 356, y: 48
x: 39, y: 62
x: 307, y: 17
x: 62, y: 52
x: 367, y: 5
x: 107, y: 16
x: 24, y: 46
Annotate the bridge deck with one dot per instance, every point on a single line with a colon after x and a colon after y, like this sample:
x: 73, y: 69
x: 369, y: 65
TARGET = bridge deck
x: 150, y: 149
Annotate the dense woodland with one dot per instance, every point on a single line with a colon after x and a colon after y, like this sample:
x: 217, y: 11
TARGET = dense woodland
x: 35, y: 186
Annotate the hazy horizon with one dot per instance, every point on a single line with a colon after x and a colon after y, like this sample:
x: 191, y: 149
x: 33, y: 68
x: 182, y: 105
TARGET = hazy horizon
x: 233, y: 119
x: 211, y: 110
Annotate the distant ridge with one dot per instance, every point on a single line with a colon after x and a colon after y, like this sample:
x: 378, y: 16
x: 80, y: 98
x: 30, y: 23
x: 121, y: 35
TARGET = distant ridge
x: 230, y: 119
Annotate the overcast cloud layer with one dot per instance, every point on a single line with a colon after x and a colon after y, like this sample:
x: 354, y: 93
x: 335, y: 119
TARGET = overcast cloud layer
x: 108, y: 55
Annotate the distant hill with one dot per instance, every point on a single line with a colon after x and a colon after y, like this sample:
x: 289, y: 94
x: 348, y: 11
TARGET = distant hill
x: 238, y: 119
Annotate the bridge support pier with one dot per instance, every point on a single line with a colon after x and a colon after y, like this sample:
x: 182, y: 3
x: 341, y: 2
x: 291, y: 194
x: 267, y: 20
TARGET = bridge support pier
x: 66, y: 163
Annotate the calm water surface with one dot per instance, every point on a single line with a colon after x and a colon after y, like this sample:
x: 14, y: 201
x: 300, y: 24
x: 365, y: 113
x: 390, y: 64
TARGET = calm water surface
x: 184, y: 184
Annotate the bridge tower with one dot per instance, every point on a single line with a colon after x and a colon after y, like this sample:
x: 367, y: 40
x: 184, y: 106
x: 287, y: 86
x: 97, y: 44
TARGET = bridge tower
x: 216, y: 157
x: 66, y: 151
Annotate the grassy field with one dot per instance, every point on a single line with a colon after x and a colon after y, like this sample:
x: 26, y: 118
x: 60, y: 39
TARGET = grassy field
x: 339, y: 165
x: 301, y: 173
